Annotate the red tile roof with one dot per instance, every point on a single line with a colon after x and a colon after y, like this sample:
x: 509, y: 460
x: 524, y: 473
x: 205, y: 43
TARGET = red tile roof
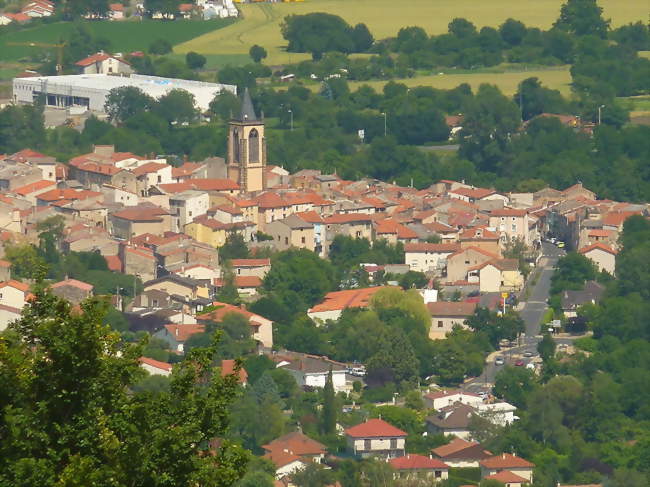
x: 148, y: 168
x: 228, y: 368
x: 113, y: 262
x: 474, y: 193
x: 309, y: 216
x: 116, y: 7
x: 505, y: 461
x: 98, y: 58
x: 4, y: 263
x: 598, y: 246
x: 599, y: 233
x: 187, y: 169
x: 374, y: 428
x: 507, y: 477
x: 222, y: 309
x: 182, y: 332
x: 21, y: 286
x: 351, y: 298
x: 67, y: 194
x: 455, y: 445
x: 143, y: 213
x: 281, y: 458
x: 342, y: 218
x: 391, y: 227
x: 33, y: 187
x: 413, y: 461
x: 242, y: 282
x: 155, y: 363
x: 200, y: 185
x: 296, y: 443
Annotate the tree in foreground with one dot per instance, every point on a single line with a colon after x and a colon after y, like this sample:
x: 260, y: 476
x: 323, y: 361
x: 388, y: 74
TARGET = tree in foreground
x: 69, y: 414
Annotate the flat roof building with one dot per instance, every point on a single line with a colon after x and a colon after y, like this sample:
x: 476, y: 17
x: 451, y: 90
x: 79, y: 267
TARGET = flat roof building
x: 91, y: 90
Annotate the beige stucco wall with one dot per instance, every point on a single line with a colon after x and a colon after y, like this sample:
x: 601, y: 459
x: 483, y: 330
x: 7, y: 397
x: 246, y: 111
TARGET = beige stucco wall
x: 285, y: 237
x: 458, y: 265
x: 604, y: 260
x: 490, y: 279
x: 13, y: 297
x: 441, y: 325
x: 513, y: 227
x: 425, y: 261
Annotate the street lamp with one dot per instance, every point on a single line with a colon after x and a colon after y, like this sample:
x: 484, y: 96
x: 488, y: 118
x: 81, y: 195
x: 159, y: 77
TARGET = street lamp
x: 291, y: 118
x: 385, y: 125
x: 599, y: 109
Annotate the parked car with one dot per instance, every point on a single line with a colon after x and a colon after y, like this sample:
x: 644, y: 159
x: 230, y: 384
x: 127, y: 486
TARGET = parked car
x: 528, y: 354
x: 499, y: 360
x: 560, y: 245
x: 519, y: 363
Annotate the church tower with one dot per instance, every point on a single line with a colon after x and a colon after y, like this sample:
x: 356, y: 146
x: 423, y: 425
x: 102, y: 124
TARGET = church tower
x: 247, y: 148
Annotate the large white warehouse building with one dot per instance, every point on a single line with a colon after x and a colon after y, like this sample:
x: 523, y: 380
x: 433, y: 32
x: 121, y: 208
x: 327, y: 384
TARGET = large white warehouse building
x: 91, y: 90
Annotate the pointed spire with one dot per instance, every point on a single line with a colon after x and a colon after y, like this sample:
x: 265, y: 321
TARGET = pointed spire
x: 247, y: 110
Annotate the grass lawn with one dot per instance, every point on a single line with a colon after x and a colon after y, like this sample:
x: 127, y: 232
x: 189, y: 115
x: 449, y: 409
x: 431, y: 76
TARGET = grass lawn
x: 261, y: 22
x: 125, y: 36
x: 508, y: 81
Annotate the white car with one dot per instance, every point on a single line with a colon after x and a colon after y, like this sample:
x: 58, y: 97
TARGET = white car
x: 499, y: 361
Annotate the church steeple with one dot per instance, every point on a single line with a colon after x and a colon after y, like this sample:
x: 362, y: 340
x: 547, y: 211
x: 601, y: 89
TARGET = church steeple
x: 247, y: 148
x: 247, y: 113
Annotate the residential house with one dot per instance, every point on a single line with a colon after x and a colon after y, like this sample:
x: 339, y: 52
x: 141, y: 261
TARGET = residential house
x: 14, y: 294
x: 199, y: 272
x: 115, y: 11
x: 572, y: 300
x: 138, y: 261
x: 138, y: 220
x: 376, y: 438
x: 103, y: 63
x: 312, y: 370
x: 459, y: 453
x: 508, y: 479
x: 72, y: 290
x: 495, y: 276
x: 507, y: 462
x: 417, y: 466
x: 428, y: 257
x: 38, y: 8
x: 454, y: 420
x: 462, y: 261
x: 602, y: 255
x: 228, y: 367
x: 31, y: 191
x: 480, y: 237
x: 511, y: 224
x: 7, y: 18
x: 226, y: 213
x: 335, y: 302
x: 251, y: 267
x: 261, y: 328
x: 247, y: 286
x: 499, y: 413
x: 299, y: 444
x: 393, y: 232
x: 175, y: 285
x: 447, y: 314
x: 189, y: 170
x: 318, y: 225
x: 286, y: 464
x: 8, y: 314
x: 439, y: 399
x: 355, y: 225
x: 186, y: 206
x: 291, y: 231
x: 155, y: 367
x: 16, y: 175
x: 214, y: 233
x: 176, y: 335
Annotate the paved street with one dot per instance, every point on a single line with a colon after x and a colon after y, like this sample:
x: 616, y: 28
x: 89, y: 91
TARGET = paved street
x: 532, y: 312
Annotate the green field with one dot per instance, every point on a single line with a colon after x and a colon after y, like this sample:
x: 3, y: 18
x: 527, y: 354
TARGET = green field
x: 261, y: 22
x: 124, y: 36
x: 508, y: 82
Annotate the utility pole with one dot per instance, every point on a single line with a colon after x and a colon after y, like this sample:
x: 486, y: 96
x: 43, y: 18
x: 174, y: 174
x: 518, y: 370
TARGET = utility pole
x: 599, y: 112
x: 291, y: 118
x: 385, y: 124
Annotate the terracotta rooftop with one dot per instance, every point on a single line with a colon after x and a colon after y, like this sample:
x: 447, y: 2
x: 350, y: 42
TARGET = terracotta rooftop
x: 228, y: 368
x: 241, y: 281
x: 98, y: 58
x: 149, y: 167
x: 374, y: 428
x: 352, y: 298
x: 474, y: 193
x: 505, y: 460
x: 508, y: 212
x: 209, y: 184
x: 342, y: 218
x: 182, y: 332
x: 281, y: 458
x: 4, y: 263
x: 455, y: 445
x: 413, y: 461
x: 142, y: 213
x: 507, y: 477
x: 297, y: 443
x: 21, y: 286
x: 598, y: 246
x: 222, y: 309
x: 33, y: 187
x: 155, y: 363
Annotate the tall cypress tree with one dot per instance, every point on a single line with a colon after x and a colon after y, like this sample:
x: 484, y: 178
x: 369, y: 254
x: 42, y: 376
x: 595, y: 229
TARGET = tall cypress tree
x: 328, y: 413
